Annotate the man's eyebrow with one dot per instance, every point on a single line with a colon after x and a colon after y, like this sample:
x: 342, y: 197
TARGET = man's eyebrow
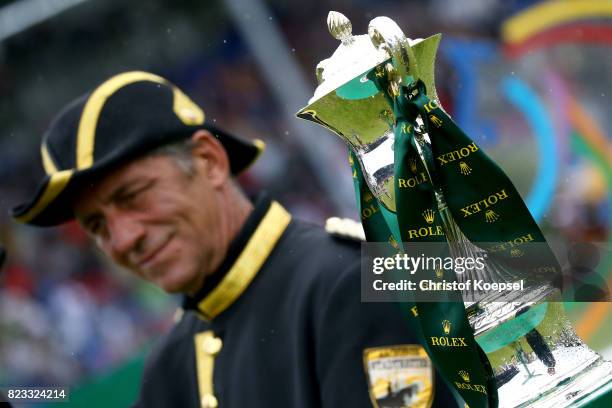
x: 118, y: 192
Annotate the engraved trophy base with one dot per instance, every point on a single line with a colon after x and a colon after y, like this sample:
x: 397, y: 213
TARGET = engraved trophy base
x: 537, y: 358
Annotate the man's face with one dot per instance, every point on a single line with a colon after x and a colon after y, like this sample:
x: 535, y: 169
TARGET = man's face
x: 156, y: 220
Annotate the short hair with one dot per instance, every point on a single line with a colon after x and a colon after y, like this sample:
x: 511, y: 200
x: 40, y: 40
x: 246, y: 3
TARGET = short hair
x: 180, y: 151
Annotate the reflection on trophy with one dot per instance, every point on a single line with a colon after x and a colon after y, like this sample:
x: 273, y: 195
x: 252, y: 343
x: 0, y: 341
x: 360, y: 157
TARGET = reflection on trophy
x: 535, y: 355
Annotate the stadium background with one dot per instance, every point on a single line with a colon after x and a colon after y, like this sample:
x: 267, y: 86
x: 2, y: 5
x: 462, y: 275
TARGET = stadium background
x: 528, y: 80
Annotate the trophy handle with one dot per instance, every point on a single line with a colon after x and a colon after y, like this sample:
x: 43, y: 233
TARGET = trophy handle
x: 411, y: 58
x: 386, y: 35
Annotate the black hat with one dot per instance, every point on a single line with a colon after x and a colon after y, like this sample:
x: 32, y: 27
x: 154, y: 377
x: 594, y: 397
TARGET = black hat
x: 123, y: 118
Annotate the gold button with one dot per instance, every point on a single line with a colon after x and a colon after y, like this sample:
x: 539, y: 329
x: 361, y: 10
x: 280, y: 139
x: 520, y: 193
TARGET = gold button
x: 209, y: 401
x: 212, y: 345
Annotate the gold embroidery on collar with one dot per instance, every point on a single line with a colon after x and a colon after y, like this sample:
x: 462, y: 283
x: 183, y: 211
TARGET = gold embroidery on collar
x: 257, y: 250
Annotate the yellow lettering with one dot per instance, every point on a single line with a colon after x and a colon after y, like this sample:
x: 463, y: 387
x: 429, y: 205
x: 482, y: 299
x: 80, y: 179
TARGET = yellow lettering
x: 486, y: 203
x: 502, y: 194
x: 430, y: 106
x: 512, y: 243
x: 471, y: 387
x: 369, y: 211
x: 412, y: 181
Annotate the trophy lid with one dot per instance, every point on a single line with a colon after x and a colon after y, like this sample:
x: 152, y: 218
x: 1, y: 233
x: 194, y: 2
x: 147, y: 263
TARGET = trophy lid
x: 355, y: 55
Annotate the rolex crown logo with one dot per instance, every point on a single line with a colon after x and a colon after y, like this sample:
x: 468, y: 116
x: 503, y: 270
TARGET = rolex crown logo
x: 464, y: 168
x: 516, y: 253
x: 436, y: 120
x: 491, y: 216
x: 439, y: 273
x: 446, y: 326
x: 464, y: 375
x: 428, y: 215
x: 367, y: 197
x: 413, y: 165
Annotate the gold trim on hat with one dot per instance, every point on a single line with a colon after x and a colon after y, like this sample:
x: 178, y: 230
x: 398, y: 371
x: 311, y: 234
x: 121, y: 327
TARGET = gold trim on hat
x: 186, y: 110
x: 55, y: 186
x: 48, y: 163
x: 93, y: 107
x: 255, y: 253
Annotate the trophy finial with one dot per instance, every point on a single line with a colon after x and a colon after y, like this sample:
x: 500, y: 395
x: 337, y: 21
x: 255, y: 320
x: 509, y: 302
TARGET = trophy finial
x: 339, y: 26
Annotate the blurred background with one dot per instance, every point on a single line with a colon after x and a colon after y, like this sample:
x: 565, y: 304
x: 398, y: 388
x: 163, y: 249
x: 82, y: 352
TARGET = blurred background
x: 529, y: 81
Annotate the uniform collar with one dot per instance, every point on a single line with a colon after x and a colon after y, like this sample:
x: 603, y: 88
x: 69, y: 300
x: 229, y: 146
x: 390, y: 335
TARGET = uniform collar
x: 245, y: 256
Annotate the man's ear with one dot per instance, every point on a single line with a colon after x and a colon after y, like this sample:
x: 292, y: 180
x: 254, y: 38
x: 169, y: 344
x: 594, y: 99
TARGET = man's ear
x: 210, y: 157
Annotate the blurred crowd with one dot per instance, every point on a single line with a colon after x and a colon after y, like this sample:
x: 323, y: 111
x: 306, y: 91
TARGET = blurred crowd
x: 65, y: 313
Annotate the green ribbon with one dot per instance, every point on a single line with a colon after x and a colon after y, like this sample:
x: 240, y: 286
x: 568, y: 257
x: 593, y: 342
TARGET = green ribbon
x: 480, y: 196
x: 481, y: 200
x: 486, y: 207
x: 455, y: 353
x: 428, y: 318
x: 379, y: 226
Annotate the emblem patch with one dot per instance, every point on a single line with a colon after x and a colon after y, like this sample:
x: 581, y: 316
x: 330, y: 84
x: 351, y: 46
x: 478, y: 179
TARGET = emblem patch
x: 399, y: 376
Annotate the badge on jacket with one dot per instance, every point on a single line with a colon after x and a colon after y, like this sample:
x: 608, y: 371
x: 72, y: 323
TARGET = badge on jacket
x: 399, y: 376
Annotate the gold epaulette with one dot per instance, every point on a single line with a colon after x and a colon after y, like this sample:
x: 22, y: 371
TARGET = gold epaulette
x: 345, y: 227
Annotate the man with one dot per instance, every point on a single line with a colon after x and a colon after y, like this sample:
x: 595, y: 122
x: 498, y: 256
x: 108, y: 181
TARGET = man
x: 272, y: 311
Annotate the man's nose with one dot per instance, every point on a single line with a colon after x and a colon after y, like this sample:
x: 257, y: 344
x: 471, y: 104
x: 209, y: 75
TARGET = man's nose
x: 125, y: 236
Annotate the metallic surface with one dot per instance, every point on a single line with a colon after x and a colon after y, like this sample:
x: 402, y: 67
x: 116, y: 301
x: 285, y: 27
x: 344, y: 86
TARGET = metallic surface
x: 349, y: 104
x: 535, y: 353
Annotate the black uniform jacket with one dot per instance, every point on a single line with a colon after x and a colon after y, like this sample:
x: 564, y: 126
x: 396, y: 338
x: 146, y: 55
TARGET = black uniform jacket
x: 281, y: 324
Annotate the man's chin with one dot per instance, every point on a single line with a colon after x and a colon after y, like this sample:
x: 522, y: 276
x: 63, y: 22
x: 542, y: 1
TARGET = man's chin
x: 171, y: 288
x: 177, y: 286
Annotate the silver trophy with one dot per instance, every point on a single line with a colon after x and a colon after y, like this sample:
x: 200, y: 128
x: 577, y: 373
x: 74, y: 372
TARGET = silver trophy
x: 536, y: 356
